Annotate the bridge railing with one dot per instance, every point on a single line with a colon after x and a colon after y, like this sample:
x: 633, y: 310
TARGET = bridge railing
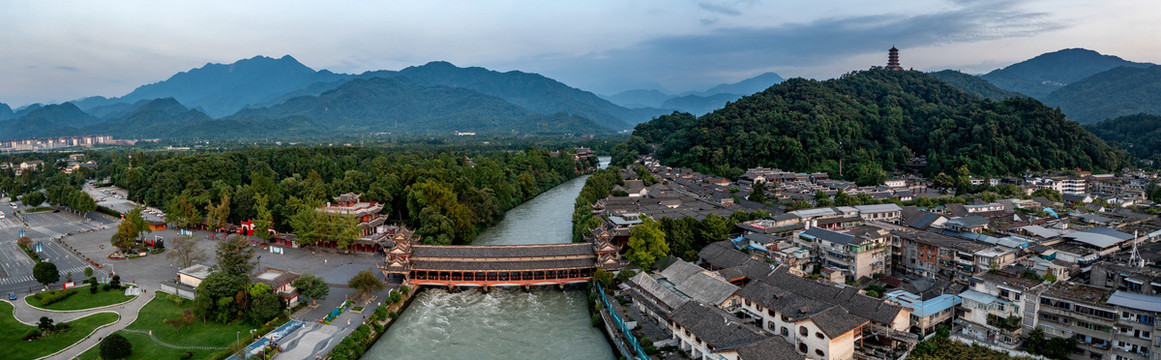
x: 636, y: 347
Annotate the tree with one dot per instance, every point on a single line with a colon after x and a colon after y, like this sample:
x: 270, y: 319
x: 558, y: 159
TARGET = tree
x: 646, y: 244
x: 138, y: 221
x: 759, y: 192
x: 264, y: 220
x: 218, y: 286
x: 1049, y: 194
x: 115, y: 347
x: 365, y: 283
x: 45, y: 273
x: 125, y: 236
x: 24, y: 241
x: 265, y: 307
x: 311, y: 286
x: 33, y: 199
x: 943, y: 181
x: 235, y: 257
x: 45, y: 324
x: 88, y: 272
x: 603, y: 277
x: 822, y: 199
x: 184, y: 252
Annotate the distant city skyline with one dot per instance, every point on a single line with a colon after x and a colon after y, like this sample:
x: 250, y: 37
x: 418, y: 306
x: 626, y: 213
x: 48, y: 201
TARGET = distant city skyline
x: 61, y: 51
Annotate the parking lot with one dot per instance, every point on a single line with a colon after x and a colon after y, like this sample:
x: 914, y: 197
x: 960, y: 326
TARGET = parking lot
x: 43, y: 228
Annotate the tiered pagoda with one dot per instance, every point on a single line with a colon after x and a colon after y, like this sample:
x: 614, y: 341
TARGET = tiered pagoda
x: 893, y: 59
x: 608, y: 253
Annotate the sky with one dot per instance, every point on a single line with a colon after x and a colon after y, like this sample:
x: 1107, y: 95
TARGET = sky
x: 55, y: 51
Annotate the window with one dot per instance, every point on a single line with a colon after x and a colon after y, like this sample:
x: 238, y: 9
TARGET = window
x: 802, y: 348
x: 802, y: 330
x: 819, y: 335
x: 785, y: 331
x: 819, y: 352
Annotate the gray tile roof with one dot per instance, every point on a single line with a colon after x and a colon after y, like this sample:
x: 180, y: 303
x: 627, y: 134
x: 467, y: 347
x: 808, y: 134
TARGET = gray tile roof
x: 832, y: 236
x: 773, y: 348
x: 717, y: 328
x: 722, y: 254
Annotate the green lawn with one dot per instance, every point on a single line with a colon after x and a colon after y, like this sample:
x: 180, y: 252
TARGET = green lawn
x: 11, y: 332
x: 144, y: 348
x: 84, y: 300
x: 151, y: 317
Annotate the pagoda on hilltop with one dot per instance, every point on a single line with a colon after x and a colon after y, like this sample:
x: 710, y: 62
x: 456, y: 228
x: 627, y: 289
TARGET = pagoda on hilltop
x: 893, y: 59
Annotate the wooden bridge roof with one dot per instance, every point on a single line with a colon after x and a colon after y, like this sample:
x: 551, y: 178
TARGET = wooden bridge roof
x: 503, y: 251
x: 513, y: 265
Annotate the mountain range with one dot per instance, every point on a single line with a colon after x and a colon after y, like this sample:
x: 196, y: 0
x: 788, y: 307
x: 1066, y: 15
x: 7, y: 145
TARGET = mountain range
x: 695, y: 102
x: 262, y: 96
x: 1086, y: 85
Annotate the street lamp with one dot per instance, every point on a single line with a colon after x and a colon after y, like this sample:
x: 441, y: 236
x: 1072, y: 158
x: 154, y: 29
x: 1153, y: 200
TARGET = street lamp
x: 237, y: 341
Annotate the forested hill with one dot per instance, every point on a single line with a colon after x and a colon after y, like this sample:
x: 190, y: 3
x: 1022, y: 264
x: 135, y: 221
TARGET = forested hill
x: 877, y: 120
x: 1125, y: 90
x: 975, y: 85
x: 1140, y: 134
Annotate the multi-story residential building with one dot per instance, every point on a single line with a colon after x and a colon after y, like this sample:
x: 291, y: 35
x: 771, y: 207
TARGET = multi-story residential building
x: 816, y: 329
x: 931, y: 254
x: 993, y: 308
x: 1107, y: 324
x: 888, y: 213
x: 706, y: 332
x: 861, y: 252
x: 926, y: 314
x: 1064, y: 184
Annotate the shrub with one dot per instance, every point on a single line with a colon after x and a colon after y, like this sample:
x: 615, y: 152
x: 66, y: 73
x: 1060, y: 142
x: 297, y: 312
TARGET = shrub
x: 106, y: 287
x: 187, y: 355
x: 47, y: 298
x: 31, y: 334
x: 115, y: 346
x: 595, y: 319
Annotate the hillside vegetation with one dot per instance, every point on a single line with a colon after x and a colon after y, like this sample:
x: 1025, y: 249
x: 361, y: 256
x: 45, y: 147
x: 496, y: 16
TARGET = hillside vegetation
x: 1121, y: 91
x: 876, y: 121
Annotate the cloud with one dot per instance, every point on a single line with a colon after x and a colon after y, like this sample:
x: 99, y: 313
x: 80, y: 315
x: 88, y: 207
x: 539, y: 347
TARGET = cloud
x: 682, y: 58
x: 71, y: 69
x: 719, y: 8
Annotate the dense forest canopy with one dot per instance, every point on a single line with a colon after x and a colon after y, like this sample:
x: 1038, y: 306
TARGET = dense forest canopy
x: 1139, y: 134
x: 874, y: 121
x: 447, y: 196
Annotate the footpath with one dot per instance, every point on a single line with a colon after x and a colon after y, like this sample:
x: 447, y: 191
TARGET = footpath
x: 128, y: 311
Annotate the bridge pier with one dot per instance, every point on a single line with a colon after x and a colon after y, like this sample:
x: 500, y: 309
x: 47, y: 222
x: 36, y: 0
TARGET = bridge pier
x: 527, y: 287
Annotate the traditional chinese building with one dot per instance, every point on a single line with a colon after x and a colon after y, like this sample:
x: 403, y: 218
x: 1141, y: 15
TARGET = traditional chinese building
x: 366, y: 213
x: 893, y: 59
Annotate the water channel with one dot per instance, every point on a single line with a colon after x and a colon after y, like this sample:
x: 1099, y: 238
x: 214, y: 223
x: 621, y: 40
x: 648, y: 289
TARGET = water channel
x: 545, y: 323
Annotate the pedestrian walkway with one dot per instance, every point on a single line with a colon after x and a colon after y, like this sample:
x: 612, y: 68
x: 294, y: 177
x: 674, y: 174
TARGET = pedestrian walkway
x: 171, y: 346
x: 128, y: 311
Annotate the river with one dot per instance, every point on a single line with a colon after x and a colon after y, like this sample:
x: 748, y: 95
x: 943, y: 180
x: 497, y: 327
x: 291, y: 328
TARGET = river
x: 545, y: 323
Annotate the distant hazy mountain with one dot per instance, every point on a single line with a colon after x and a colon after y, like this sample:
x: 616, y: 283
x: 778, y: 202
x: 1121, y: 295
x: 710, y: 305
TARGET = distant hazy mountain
x: 114, y: 110
x: 401, y: 105
x: 222, y: 89
x: 696, y: 102
x: 746, y: 87
x: 531, y: 91
x: 975, y: 85
x: 1121, y: 91
x: 639, y: 98
x: 26, y: 109
x: 1043, y: 74
x: 156, y: 118
x: 51, y: 120
x: 6, y: 112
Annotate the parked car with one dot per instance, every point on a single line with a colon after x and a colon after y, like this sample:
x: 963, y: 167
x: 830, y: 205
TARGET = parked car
x: 11, y: 296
